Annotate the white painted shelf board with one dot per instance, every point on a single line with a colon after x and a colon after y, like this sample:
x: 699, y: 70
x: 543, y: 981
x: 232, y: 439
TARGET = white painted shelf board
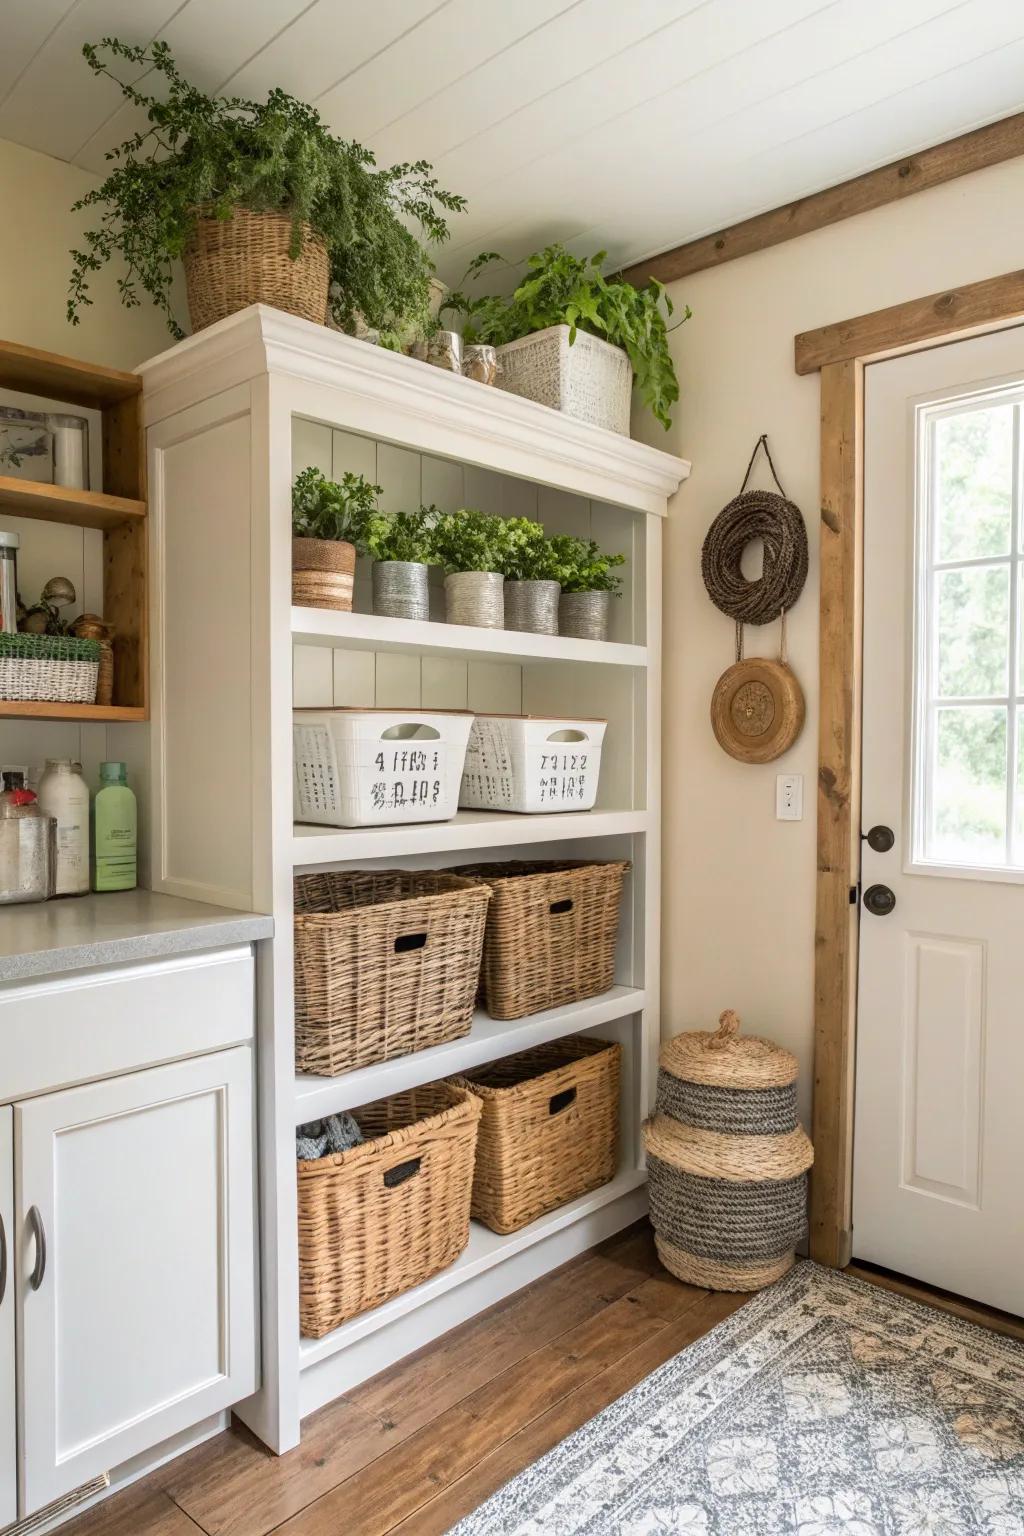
x: 484, y: 1250
x: 488, y: 1040
x: 468, y: 830
x: 368, y: 631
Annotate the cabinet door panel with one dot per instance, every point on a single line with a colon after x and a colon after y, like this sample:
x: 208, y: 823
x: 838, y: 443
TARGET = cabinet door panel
x: 143, y: 1321
x: 8, y: 1443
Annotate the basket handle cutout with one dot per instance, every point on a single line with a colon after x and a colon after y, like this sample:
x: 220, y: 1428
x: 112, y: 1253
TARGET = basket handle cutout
x: 565, y: 905
x: 402, y: 1171
x: 414, y: 731
x: 408, y: 941
x: 568, y: 735
x: 560, y: 1101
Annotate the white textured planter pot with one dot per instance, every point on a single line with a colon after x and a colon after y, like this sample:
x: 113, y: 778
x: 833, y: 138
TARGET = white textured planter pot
x: 532, y: 606
x: 589, y: 379
x: 475, y: 597
x: 584, y: 615
x: 400, y: 589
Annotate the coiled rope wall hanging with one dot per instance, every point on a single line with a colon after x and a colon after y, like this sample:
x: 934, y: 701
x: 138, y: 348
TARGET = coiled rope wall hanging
x: 757, y: 709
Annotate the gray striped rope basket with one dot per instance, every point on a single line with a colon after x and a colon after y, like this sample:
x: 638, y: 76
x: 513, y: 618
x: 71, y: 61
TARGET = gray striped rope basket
x: 727, y: 1159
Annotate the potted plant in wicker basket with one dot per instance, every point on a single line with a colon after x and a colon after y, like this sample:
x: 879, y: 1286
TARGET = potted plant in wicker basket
x: 532, y: 578
x: 330, y: 519
x: 401, y: 546
x: 262, y: 203
x: 469, y: 545
x: 573, y: 339
x: 588, y: 586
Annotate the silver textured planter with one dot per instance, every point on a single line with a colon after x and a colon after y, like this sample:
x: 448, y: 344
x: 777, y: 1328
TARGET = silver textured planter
x: 475, y: 597
x: 532, y: 606
x: 584, y: 615
x: 400, y: 589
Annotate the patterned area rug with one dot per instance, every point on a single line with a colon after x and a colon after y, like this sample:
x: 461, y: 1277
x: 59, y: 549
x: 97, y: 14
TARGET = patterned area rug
x: 824, y: 1407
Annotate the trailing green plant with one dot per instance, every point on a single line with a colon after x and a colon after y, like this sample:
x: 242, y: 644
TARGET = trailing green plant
x: 468, y: 540
x: 402, y: 535
x: 584, y: 566
x: 206, y: 155
x: 561, y: 289
x: 333, y: 509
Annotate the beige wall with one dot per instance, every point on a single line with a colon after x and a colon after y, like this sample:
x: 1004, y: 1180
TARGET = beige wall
x: 37, y: 229
x: 739, y: 885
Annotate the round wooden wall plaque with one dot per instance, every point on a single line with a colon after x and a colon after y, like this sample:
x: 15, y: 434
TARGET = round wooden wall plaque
x: 757, y: 710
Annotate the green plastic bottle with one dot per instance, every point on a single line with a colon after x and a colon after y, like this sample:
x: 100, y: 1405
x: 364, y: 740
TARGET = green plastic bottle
x: 115, y: 821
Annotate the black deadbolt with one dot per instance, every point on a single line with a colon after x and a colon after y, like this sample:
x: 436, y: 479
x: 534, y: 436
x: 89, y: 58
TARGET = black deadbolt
x: 879, y: 900
x: 881, y: 839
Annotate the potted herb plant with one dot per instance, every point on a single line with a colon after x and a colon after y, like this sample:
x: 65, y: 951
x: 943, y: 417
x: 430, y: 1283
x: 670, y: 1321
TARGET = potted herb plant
x: 588, y: 585
x: 574, y: 339
x: 532, y: 578
x: 330, y: 519
x: 262, y: 203
x: 469, y: 544
x: 401, y: 547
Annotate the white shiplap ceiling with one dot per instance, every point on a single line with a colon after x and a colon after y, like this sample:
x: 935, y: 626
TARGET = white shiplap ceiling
x: 632, y: 124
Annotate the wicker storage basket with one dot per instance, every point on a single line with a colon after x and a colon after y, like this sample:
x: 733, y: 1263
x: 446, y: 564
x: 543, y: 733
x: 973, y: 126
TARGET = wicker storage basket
x: 549, y: 1131
x: 386, y: 962
x: 589, y: 379
x: 232, y: 263
x: 551, y: 932
x: 383, y: 1216
x: 50, y: 668
x: 727, y: 1159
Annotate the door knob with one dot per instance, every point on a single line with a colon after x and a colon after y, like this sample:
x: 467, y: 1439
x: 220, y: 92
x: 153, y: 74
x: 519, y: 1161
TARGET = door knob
x: 880, y: 839
x: 879, y: 900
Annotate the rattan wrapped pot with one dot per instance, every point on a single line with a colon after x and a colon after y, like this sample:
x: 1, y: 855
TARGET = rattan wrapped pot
x: 727, y: 1159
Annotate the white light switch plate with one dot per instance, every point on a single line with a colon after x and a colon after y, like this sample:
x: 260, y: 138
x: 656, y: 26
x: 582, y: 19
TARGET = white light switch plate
x: 789, y: 797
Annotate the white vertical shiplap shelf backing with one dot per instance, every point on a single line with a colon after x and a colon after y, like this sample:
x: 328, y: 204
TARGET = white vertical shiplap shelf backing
x: 231, y: 415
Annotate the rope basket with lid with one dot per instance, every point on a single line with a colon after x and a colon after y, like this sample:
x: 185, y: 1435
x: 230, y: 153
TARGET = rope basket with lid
x: 727, y: 1159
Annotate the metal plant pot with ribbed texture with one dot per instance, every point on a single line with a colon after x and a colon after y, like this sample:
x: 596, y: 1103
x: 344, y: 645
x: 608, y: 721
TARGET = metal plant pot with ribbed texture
x: 727, y: 1159
x: 400, y: 589
x: 532, y: 606
x: 475, y: 597
x: 584, y: 615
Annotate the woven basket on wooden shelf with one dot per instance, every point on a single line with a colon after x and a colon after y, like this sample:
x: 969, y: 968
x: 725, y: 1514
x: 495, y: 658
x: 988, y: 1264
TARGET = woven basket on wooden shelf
x: 53, y: 669
x: 549, y: 1131
x: 323, y: 573
x: 387, y: 1214
x: 386, y: 962
x: 727, y: 1159
x: 551, y: 932
x: 242, y: 260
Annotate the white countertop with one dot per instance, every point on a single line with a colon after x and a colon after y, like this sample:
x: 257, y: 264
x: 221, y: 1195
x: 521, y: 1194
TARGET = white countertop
x: 76, y: 933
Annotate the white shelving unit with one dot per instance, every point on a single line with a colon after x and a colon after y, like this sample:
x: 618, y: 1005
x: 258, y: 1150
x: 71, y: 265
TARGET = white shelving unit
x: 231, y: 414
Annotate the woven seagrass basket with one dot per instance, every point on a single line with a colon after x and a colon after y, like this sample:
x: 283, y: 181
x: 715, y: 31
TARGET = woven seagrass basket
x: 387, y: 1214
x: 549, y: 1131
x: 727, y: 1159
x: 386, y: 962
x: 232, y: 263
x: 50, y: 668
x: 551, y: 932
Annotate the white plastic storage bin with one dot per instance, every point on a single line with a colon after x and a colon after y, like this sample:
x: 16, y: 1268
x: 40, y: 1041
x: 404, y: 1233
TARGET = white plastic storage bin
x: 532, y: 763
x: 378, y: 767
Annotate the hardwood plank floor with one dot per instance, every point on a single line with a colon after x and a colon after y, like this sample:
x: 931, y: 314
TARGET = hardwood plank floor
x: 423, y: 1443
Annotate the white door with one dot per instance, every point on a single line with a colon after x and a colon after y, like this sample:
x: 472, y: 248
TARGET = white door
x: 134, y: 1209
x: 939, y: 1123
x: 8, y: 1440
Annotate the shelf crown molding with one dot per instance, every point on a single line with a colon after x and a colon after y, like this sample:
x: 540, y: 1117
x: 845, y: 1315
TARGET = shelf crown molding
x: 384, y: 394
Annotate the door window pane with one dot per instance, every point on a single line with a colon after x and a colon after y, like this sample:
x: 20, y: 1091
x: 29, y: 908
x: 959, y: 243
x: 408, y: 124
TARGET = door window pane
x: 974, y: 483
x: 968, y: 790
x: 973, y: 631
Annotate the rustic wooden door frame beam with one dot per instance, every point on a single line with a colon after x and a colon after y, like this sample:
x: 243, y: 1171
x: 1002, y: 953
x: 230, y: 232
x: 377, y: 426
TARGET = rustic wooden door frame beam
x: 840, y: 353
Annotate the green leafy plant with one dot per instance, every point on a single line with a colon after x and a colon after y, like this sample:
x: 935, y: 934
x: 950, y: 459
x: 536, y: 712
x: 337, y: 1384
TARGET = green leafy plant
x: 402, y: 535
x: 561, y: 289
x: 526, y: 555
x: 206, y: 155
x: 333, y: 509
x: 468, y: 540
x: 583, y: 565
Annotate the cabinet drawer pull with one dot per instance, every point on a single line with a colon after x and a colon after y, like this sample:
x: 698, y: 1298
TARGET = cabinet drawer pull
x: 35, y: 1221
x: 3, y: 1260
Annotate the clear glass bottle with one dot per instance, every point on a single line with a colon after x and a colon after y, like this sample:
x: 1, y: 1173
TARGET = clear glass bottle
x: 64, y: 795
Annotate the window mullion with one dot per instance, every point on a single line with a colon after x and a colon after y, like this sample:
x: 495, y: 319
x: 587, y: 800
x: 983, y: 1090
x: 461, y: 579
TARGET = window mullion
x: 1012, y: 746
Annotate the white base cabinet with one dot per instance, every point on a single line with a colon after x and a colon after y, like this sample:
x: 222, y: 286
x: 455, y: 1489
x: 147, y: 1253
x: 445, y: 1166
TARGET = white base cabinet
x: 134, y: 1265
x: 8, y: 1434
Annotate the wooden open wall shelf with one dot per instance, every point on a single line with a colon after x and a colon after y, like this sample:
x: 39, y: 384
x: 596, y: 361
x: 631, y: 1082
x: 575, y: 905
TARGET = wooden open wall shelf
x: 118, y: 511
